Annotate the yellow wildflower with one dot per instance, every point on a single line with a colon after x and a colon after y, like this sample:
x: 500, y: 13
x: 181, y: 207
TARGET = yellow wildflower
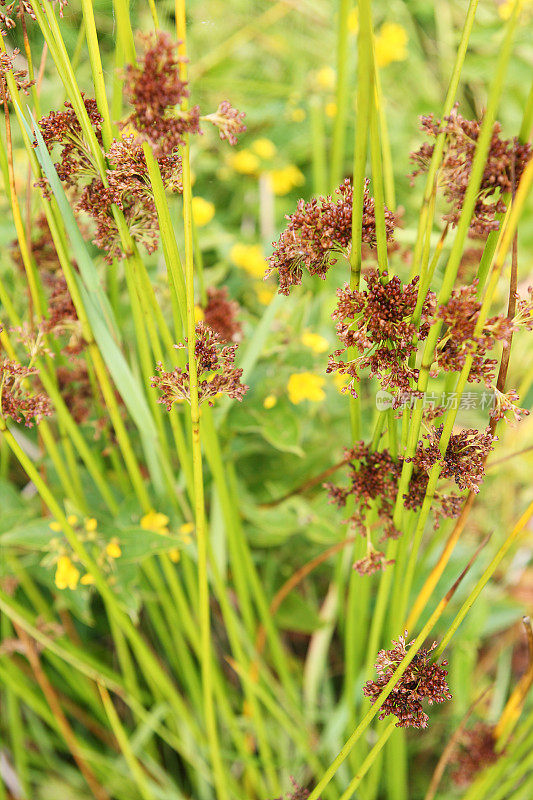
x: 298, y: 114
x: 90, y: 524
x: 203, y: 211
x: 353, y: 21
x: 505, y: 9
x: 264, y: 294
x: 391, y: 44
x: 174, y: 555
x: 325, y: 77
x: 113, y: 548
x: 314, y: 342
x: 305, y: 386
x: 55, y: 526
x: 155, y: 521
x: 67, y: 575
x: 270, y: 401
x: 245, y: 162
x: 87, y: 579
x: 285, y: 179
x: 187, y: 528
x: 72, y: 519
x: 199, y: 315
x: 250, y: 257
x: 331, y: 110
x: 264, y: 148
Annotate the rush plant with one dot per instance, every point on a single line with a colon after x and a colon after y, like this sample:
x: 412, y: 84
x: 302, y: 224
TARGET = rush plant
x: 264, y: 449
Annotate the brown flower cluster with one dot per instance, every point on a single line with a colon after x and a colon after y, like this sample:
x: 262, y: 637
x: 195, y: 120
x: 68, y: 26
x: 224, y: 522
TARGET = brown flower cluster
x: 128, y: 185
x: 220, y: 314
x: 62, y: 315
x: 376, y: 322
x: 475, y: 751
x: 215, y: 367
x: 505, y: 163
x: 373, y: 480
x: 20, y: 76
x: 154, y: 89
x: 372, y: 562
x: 76, y: 391
x: 318, y: 233
x: 16, y: 402
x: 460, y: 315
x: 298, y: 792
x: 464, y: 459
x: 422, y: 680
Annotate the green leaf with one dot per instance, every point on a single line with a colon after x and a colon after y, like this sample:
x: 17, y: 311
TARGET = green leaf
x: 296, y: 614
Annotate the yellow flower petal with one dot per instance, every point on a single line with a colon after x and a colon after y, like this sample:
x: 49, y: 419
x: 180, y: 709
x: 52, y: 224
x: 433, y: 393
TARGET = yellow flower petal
x: 391, y: 44
x: 306, y: 386
x: 72, y: 519
x: 285, y: 179
x: 91, y: 524
x: 87, y: 579
x: 186, y: 528
x: 155, y: 521
x: 113, y: 549
x: 315, y: 342
x: 245, y: 162
x: 250, y: 258
x: 55, y: 526
x: 199, y: 315
x: 264, y: 294
x: 331, y: 110
x: 203, y: 211
x: 270, y: 401
x: 67, y: 575
x: 264, y: 148
x: 353, y: 21
x: 174, y: 555
x: 325, y: 77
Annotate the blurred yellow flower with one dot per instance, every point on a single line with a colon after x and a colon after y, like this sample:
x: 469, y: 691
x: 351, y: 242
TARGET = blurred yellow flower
x: 270, y: 401
x: 203, y: 211
x: 264, y: 294
x: 174, y: 555
x: 306, y: 386
x: 72, y: 519
x: 325, y: 77
x: 264, y: 148
x: 505, y: 9
x: 353, y: 21
x: 155, y: 521
x: 91, y: 524
x: 199, y: 315
x: 87, y: 579
x: 187, y: 528
x: 391, y: 44
x: 340, y: 381
x: 314, y: 341
x: 331, y: 109
x: 113, y: 548
x: 67, y: 575
x: 284, y: 179
x: 244, y: 161
x: 298, y: 114
x: 250, y: 257
x: 55, y: 526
